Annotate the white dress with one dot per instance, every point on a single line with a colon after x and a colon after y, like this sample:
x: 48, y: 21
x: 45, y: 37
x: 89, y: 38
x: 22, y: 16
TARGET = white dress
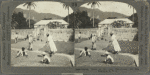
x: 52, y: 44
x: 115, y: 43
x: 30, y: 39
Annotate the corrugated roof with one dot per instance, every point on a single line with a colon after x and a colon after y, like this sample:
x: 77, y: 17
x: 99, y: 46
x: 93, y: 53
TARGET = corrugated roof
x: 109, y: 21
x: 44, y: 22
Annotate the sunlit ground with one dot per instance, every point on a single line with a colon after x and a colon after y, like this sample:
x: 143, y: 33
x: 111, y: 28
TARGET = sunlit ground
x: 61, y: 58
x: 97, y: 60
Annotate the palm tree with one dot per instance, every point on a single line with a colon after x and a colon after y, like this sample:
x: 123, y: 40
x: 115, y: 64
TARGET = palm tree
x: 93, y: 4
x: 29, y: 5
x: 133, y: 11
x: 66, y: 7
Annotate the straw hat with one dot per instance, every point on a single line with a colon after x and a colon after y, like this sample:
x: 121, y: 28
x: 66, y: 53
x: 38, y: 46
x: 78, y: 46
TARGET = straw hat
x: 43, y: 53
x: 106, y: 52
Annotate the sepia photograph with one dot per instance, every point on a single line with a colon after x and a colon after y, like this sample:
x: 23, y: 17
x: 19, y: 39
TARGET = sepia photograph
x: 106, y: 34
x: 74, y: 37
x: 41, y: 35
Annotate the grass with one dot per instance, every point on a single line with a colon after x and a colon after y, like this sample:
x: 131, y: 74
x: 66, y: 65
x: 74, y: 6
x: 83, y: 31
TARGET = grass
x: 34, y: 60
x: 62, y: 47
x: 126, y: 46
x: 97, y: 60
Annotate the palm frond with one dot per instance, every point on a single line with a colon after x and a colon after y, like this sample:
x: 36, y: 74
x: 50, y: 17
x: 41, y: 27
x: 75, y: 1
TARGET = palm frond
x: 24, y: 4
x: 89, y: 3
x: 29, y: 4
x: 94, y: 3
x: 65, y: 6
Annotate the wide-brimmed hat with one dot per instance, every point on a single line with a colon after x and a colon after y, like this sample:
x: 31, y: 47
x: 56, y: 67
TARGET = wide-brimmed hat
x: 106, y: 52
x: 44, y: 53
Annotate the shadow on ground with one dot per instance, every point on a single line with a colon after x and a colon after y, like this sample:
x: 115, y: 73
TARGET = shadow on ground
x: 97, y: 60
x: 34, y: 60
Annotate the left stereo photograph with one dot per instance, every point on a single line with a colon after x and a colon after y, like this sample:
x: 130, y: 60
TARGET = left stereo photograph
x: 42, y: 35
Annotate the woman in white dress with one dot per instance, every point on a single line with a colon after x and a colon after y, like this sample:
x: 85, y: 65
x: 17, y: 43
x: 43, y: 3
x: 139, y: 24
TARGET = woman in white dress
x: 115, y: 43
x: 51, y: 43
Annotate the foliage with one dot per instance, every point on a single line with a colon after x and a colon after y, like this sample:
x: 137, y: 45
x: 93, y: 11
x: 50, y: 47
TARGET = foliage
x: 32, y: 22
x: 135, y: 20
x: 94, y: 3
x: 29, y: 4
x: 19, y: 21
x: 119, y: 24
x: 81, y: 20
x: 52, y: 25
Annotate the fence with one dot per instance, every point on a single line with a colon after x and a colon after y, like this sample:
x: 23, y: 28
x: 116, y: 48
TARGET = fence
x: 22, y: 33
x: 66, y: 34
x: 121, y: 33
x: 58, y: 34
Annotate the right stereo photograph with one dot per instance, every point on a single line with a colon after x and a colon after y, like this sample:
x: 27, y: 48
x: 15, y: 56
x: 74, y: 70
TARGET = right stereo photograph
x: 106, y: 34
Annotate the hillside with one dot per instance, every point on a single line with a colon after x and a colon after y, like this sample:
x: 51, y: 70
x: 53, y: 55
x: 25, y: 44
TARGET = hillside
x: 38, y: 16
x: 100, y: 14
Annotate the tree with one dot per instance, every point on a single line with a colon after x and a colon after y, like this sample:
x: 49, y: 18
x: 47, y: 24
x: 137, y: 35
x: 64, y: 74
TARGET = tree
x: 135, y: 20
x: 93, y: 4
x: 29, y: 5
x: 66, y: 7
x: 14, y: 24
x: 81, y: 20
x: 133, y: 12
x: 19, y: 21
x: 32, y: 22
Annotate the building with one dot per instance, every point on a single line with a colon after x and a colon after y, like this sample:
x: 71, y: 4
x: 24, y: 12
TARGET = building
x: 57, y: 23
x: 116, y: 23
x: 107, y: 25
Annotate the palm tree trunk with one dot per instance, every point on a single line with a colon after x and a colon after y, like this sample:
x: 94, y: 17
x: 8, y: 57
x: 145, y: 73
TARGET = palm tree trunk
x: 93, y: 16
x: 68, y: 15
x: 29, y: 16
x: 133, y: 14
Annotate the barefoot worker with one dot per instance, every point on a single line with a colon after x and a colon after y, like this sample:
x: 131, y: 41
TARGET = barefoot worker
x: 46, y: 59
x: 51, y: 43
x: 85, y: 51
x: 30, y: 42
x: 79, y: 37
x: 16, y: 37
x: 115, y: 43
x: 22, y: 52
x: 94, y: 42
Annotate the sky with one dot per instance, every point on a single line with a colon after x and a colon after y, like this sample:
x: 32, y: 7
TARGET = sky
x: 112, y: 6
x: 57, y: 8
x: 49, y: 7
